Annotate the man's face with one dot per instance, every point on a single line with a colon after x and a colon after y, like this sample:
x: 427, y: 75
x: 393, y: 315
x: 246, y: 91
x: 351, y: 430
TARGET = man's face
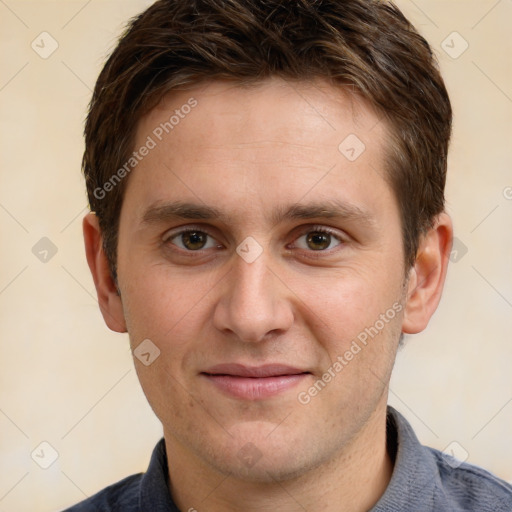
x: 294, y: 258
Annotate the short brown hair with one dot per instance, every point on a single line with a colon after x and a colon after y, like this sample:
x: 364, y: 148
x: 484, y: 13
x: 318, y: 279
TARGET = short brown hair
x: 365, y: 46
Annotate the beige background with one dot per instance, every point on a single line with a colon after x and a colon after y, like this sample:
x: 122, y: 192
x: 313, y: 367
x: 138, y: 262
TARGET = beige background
x: 67, y: 380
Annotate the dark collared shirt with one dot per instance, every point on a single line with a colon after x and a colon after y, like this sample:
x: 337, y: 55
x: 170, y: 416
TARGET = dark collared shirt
x: 423, y: 480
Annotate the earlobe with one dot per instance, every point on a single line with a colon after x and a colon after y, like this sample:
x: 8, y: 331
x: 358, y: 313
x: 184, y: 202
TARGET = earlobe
x: 108, y: 298
x: 427, y: 277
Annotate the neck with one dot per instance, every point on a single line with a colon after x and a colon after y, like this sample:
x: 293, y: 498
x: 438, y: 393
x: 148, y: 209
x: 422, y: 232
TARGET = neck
x: 353, y: 480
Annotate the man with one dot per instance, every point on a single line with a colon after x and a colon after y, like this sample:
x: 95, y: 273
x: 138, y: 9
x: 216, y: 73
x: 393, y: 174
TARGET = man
x: 266, y: 180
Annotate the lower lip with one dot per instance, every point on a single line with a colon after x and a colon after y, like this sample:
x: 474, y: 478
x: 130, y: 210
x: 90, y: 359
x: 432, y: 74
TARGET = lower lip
x: 255, y: 388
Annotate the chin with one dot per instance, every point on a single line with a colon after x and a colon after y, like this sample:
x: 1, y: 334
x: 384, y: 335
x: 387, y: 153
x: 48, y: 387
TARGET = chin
x: 263, y: 455
x: 267, y: 470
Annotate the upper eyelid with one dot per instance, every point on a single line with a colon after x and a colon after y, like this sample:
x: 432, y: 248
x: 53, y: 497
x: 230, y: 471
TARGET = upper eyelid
x: 302, y: 231
x: 322, y: 229
x: 187, y: 229
x: 171, y: 233
x: 206, y: 229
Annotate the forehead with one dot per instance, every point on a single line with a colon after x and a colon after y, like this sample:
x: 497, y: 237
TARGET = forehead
x: 274, y: 109
x: 267, y: 142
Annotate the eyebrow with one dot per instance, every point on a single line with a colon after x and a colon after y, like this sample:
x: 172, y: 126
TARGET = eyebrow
x: 329, y: 209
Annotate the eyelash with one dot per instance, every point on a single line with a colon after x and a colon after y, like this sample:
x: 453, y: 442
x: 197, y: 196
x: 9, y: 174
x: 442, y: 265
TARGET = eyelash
x: 309, y: 229
x: 324, y: 230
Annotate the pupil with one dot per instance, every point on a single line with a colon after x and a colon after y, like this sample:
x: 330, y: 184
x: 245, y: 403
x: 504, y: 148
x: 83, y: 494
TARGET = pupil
x: 194, y: 240
x: 319, y: 241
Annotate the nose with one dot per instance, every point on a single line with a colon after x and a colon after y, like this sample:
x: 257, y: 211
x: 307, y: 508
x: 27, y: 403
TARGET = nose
x: 254, y: 304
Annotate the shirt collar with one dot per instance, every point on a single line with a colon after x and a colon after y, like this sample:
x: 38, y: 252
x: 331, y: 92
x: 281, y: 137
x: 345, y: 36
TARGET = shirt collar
x: 413, y: 482
x: 155, y: 494
x: 415, y: 478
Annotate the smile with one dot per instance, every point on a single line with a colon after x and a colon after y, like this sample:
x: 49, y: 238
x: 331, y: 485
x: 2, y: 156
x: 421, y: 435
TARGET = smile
x: 254, y: 383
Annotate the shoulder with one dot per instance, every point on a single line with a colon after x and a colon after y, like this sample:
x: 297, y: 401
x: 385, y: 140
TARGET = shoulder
x: 143, y: 491
x: 429, y: 480
x: 470, y: 487
x: 121, y: 496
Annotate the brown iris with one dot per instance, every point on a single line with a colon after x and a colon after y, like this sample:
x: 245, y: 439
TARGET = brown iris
x: 318, y: 241
x: 194, y: 240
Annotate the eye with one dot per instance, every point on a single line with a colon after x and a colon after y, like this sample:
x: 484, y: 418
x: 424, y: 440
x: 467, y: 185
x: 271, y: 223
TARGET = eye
x: 318, y: 239
x: 192, y: 240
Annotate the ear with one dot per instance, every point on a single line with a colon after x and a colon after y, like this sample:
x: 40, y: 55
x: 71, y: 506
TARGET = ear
x: 108, y: 298
x: 427, y: 277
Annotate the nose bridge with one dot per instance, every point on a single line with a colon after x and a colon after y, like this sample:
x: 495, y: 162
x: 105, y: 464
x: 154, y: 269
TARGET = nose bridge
x: 252, y: 285
x: 252, y: 304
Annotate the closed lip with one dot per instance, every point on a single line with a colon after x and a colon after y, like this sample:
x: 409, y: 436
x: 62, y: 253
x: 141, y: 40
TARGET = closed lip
x: 254, y: 382
x: 241, y: 370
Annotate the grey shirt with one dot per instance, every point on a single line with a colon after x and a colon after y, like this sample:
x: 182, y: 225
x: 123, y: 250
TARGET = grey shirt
x: 423, y: 480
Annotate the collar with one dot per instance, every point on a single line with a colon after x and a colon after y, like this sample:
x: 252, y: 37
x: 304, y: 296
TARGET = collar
x: 413, y: 484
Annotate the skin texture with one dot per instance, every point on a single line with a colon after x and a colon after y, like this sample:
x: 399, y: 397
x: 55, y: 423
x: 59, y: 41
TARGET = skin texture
x: 251, y: 152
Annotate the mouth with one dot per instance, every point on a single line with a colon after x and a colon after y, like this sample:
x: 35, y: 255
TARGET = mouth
x: 254, y: 382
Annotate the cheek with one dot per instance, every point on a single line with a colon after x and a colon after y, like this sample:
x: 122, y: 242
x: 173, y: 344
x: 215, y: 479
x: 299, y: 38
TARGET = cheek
x: 358, y: 328
x: 170, y: 311
x: 358, y: 319
x: 345, y: 303
x: 160, y: 304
